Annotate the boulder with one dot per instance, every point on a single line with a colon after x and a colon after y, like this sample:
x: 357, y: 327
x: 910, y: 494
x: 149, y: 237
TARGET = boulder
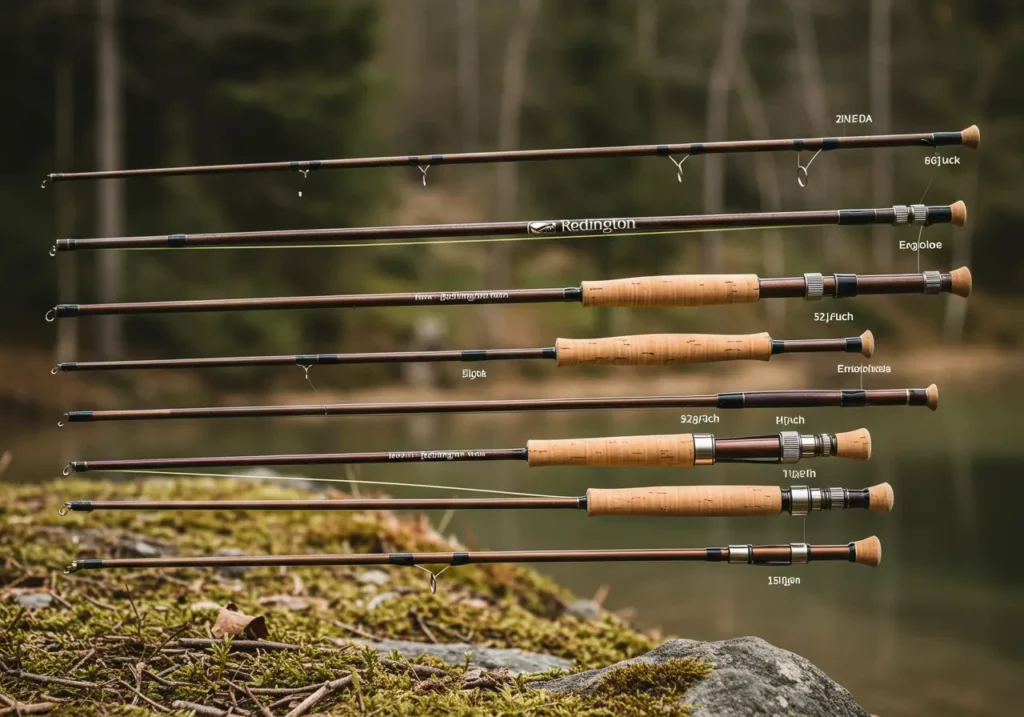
x: 750, y: 678
x: 517, y: 662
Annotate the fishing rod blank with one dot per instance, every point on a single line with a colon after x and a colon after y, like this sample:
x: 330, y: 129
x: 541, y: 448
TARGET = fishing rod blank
x: 695, y: 501
x: 644, y: 291
x: 913, y: 215
x: 866, y: 552
x: 642, y: 350
x: 673, y: 450
x: 807, y: 398
x: 970, y: 138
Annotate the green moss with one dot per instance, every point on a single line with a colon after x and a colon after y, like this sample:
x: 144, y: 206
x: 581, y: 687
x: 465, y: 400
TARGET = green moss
x: 93, y: 633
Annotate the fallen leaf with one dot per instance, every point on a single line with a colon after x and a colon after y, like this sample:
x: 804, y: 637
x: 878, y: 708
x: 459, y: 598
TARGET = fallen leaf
x: 289, y: 602
x: 232, y: 621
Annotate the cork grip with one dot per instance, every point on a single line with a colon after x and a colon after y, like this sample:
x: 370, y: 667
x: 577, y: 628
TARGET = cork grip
x: 854, y: 444
x: 960, y: 280
x: 657, y: 349
x: 958, y: 213
x: 686, y: 501
x: 868, y: 551
x: 971, y: 137
x: 692, y: 290
x: 670, y: 450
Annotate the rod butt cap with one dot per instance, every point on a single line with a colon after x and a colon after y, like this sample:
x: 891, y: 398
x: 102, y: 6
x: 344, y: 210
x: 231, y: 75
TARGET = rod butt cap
x: 961, y: 281
x: 880, y: 498
x: 867, y: 344
x: 971, y: 137
x: 855, y: 445
x: 932, y: 397
x: 868, y: 551
x: 958, y: 213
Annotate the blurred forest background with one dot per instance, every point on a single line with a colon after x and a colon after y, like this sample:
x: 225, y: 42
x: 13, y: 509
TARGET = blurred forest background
x: 102, y: 84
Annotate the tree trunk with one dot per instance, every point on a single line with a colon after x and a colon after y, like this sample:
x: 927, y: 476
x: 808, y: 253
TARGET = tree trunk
x: 766, y: 175
x: 64, y: 201
x: 468, y: 49
x: 717, y: 126
x: 823, y: 184
x: 110, y: 264
x: 881, y: 113
x: 513, y: 88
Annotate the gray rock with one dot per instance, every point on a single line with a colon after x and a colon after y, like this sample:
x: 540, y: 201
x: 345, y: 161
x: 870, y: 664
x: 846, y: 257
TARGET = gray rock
x: 517, y: 662
x: 35, y: 601
x: 586, y: 610
x: 750, y: 678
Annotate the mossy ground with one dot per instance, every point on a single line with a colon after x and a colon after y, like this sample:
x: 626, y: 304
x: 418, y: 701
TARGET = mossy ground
x: 101, y: 625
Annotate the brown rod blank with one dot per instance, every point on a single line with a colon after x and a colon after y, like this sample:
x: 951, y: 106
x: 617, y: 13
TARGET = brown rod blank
x: 699, y: 501
x: 970, y: 138
x: 918, y: 215
x: 642, y: 350
x: 866, y: 552
x: 806, y: 398
x: 672, y: 450
x: 644, y: 291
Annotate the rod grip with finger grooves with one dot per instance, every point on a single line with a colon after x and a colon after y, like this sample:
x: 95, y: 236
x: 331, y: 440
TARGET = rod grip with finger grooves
x: 661, y: 349
x: 683, y: 290
x: 669, y: 450
x: 686, y: 501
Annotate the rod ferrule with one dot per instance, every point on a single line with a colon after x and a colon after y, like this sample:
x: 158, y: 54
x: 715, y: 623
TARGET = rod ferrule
x: 919, y: 215
x: 814, y: 287
x: 800, y: 553
x: 790, y: 445
x: 741, y: 554
x: 932, y: 282
x: 703, y: 449
x: 901, y: 214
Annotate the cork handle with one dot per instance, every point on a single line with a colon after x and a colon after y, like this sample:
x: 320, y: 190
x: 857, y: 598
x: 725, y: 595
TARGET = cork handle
x: 958, y: 213
x: 961, y: 281
x: 693, y: 290
x: 868, y: 551
x: 971, y: 137
x: 671, y: 450
x: 686, y: 501
x: 854, y: 444
x: 659, y: 349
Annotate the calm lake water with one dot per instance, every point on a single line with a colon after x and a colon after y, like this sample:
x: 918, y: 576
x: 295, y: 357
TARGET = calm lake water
x: 936, y: 629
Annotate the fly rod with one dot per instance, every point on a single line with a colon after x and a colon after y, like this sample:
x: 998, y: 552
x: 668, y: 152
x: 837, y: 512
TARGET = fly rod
x: 807, y: 398
x: 866, y: 552
x: 970, y: 138
x: 912, y: 215
x: 643, y: 350
x: 673, y: 450
x: 643, y: 291
x: 695, y: 501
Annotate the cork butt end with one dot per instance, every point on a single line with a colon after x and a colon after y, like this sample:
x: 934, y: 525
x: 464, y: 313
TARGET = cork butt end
x: 868, y: 551
x: 932, y: 397
x: 867, y: 344
x: 971, y: 137
x: 962, y: 283
x: 958, y: 213
x: 855, y: 445
x: 880, y: 498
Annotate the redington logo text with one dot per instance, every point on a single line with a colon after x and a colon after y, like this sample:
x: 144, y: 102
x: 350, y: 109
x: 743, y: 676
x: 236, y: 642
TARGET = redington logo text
x: 605, y: 226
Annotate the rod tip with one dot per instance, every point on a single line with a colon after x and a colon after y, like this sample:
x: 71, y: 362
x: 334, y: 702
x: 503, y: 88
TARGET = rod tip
x: 958, y: 213
x: 971, y: 137
x: 855, y: 445
x: 73, y: 568
x: 881, y: 498
x: 867, y: 344
x: 932, y: 397
x: 961, y: 281
x: 868, y: 551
